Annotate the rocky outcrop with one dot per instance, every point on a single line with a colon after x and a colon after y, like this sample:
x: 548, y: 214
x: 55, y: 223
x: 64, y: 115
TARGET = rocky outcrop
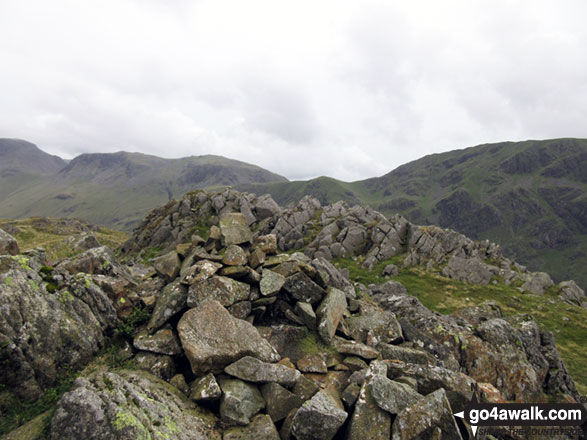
x: 8, y: 244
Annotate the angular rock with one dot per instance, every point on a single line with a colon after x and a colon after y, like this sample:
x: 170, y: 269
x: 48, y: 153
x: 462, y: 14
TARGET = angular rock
x: 257, y: 258
x: 391, y: 396
x: 350, y: 395
x: 266, y: 243
x: 378, y: 326
x: 537, y: 283
x: 178, y: 381
x: 280, y: 401
x: 159, y: 365
x: 368, y: 420
x: 200, y: 271
x: 167, y: 266
x: 390, y: 270
x: 162, y: 341
x: 80, y: 243
x: 212, y: 338
x: 406, y: 354
x: 240, y: 401
x: 571, y: 293
x: 313, y: 363
x: 205, y: 388
x: 241, y: 309
x: 472, y: 270
x: 271, y: 282
x: 303, y: 289
x: 234, y: 256
x: 260, y: 428
x: 355, y: 348
x: 305, y: 388
x: 222, y: 289
x: 253, y: 370
x: 306, y: 313
x: 234, y: 229
x: 129, y: 405
x: 330, y: 313
x: 429, y: 418
x: 8, y: 244
x: 266, y: 207
x: 319, y: 418
x: 171, y: 301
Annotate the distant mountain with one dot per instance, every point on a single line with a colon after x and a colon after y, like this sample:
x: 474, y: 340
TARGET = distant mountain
x: 530, y: 197
x: 111, y: 189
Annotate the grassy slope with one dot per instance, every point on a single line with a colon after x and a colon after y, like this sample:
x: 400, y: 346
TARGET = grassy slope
x: 445, y: 295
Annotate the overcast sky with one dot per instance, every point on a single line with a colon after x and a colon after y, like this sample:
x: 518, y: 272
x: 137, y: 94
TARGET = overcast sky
x: 349, y: 89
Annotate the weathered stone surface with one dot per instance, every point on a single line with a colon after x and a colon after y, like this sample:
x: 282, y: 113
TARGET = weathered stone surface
x: 257, y: 258
x: 260, y: 428
x: 162, y: 341
x: 271, y: 282
x: 171, y: 301
x: 303, y: 289
x: 167, y: 266
x: 240, y: 401
x: 266, y: 243
x: 280, y: 401
x: 129, y: 405
x: 319, y: 418
x: 368, y: 420
x: 350, y: 395
x: 212, y: 338
x: 235, y: 229
x: 571, y: 293
x: 266, y: 207
x: 222, y: 289
x: 305, y: 388
x: 472, y: 270
x: 355, y: 348
x: 390, y: 270
x: 178, y: 381
x: 159, y: 365
x: 200, y: 271
x: 374, y: 326
x: 253, y: 370
x: 537, y: 283
x: 306, y: 313
x: 406, y: 354
x: 42, y: 334
x: 391, y: 396
x: 429, y: 418
x: 8, y: 244
x: 234, y: 256
x: 313, y: 363
x: 241, y: 309
x: 205, y: 388
x: 330, y: 313
x: 354, y: 363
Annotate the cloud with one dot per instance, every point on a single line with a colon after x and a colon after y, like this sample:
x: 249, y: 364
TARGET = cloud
x: 348, y: 89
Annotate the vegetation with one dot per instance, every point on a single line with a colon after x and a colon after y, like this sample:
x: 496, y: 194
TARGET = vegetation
x: 445, y: 295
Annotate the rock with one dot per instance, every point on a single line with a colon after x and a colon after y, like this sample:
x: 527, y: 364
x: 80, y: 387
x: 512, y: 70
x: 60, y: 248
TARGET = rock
x: 205, y: 388
x: 218, y: 288
x: 212, y: 338
x: 241, y: 309
x: 350, y: 395
x: 472, y: 270
x: 257, y: 258
x: 33, y: 429
x: 390, y: 270
x: 81, y: 243
x: 200, y: 271
x: 537, y: 283
x: 129, y: 405
x: 159, y: 365
x: 313, y: 363
x: 260, y: 428
x: 303, y: 289
x: 429, y: 418
x: 240, y: 401
x: 368, y: 420
x: 234, y: 256
x: 178, y: 381
x: 319, y: 418
x: 253, y: 370
x: 306, y: 313
x: 335, y: 277
x: 305, y: 388
x: 330, y: 313
x: 280, y: 401
x: 8, y: 244
x: 234, y: 229
x: 571, y: 293
x: 392, y: 396
x: 406, y: 354
x: 163, y: 341
x: 171, y: 301
x: 271, y: 282
x: 266, y: 207
x: 266, y: 243
x: 378, y: 326
x: 354, y: 363
x: 355, y: 348
x: 167, y: 266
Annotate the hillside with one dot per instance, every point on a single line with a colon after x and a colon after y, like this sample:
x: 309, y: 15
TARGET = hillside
x: 116, y: 189
x: 530, y: 197
x: 225, y: 316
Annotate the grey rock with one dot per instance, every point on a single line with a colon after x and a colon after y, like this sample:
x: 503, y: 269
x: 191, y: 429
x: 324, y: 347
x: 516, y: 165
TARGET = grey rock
x: 163, y: 341
x: 178, y: 381
x: 212, y: 338
x: 241, y: 309
x: 271, y: 282
x: 429, y: 418
x: 313, y: 363
x: 159, y: 365
x: 571, y: 293
x: 171, y: 301
x: 472, y: 270
x: 368, y: 419
x: 234, y: 256
x: 235, y: 230
x: 266, y: 207
x: 260, y: 428
x: 390, y: 270
x: 280, y: 401
x: 302, y: 288
x: 319, y: 418
x: 200, y: 271
x: 253, y: 370
x: 8, y: 244
x: 379, y: 326
x: 167, y: 266
x: 392, y: 396
x: 537, y: 283
x: 80, y: 243
x: 354, y: 348
x: 205, y: 388
x: 306, y: 313
x: 406, y: 354
x: 240, y: 401
x: 129, y: 405
x: 218, y: 288
x: 330, y: 313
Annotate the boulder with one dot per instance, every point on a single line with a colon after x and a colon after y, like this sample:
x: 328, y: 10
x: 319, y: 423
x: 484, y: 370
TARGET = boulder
x: 313, y: 363
x: 218, y: 288
x: 391, y: 396
x: 167, y: 266
x: 271, y: 282
x: 205, y: 388
x: 159, y: 365
x: 200, y: 271
x: 319, y: 418
x: 171, y: 300
x: 280, y: 401
x: 301, y: 287
x: 212, y: 338
x: 260, y: 428
x: 375, y: 325
x: 472, y: 270
x: 253, y: 370
x: 368, y: 420
x: 537, y: 283
x: 571, y: 293
x: 240, y: 401
x: 234, y: 256
x: 129, y: 405
x: 163, y: 341
x: 234, y: 229
x: 330, y: 313
x: 8, y: 244
x: 390, y: 270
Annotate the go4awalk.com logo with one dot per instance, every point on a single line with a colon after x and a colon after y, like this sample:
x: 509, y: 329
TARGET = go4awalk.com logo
x: 523, y: 414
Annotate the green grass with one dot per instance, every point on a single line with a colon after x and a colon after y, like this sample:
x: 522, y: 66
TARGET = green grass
x: 445, y: 295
